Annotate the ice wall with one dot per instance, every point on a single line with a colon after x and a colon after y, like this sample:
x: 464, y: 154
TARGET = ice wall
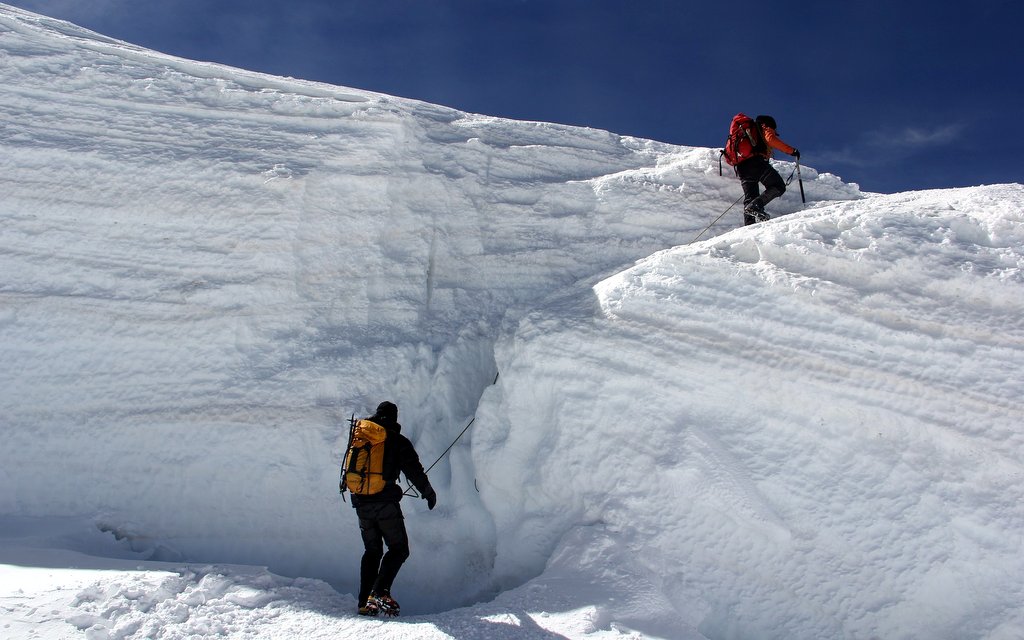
x: 204, y: 271
x: 809, y: 431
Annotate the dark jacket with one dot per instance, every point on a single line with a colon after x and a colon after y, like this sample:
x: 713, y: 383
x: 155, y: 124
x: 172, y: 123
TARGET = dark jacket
x: 399, y: 457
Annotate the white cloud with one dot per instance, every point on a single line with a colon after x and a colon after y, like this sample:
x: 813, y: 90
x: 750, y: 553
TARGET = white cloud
x: 913, y: 138
x: 890, y: 144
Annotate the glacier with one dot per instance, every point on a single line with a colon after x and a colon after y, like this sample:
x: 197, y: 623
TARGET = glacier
x: 805, y: 428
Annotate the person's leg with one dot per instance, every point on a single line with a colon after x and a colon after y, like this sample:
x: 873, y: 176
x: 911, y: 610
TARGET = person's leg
x: 774, y: 185
x: 397, y: 540
x: 749, y: 173
x: 369, y: 568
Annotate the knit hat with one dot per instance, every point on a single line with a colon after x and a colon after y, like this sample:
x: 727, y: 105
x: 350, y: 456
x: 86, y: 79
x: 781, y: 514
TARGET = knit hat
x: 766, y: 121
x: 387, y: 410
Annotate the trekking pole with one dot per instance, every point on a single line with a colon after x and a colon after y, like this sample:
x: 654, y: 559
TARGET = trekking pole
x: 800, y: 181
x: 720, y: 216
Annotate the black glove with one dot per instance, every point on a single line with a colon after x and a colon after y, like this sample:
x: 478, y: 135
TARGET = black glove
x: 431, y: 497
x: 796, y: 154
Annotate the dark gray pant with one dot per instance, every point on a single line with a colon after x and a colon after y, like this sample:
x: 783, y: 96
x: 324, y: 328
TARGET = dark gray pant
x: 753, y: 173
x: 381, y: 524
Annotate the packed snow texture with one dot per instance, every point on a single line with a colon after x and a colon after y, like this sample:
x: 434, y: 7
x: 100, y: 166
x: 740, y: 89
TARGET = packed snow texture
x: 808, y: 428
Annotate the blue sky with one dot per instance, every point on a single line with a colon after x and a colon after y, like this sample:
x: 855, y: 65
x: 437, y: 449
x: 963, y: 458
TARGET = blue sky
x: 895, y: 95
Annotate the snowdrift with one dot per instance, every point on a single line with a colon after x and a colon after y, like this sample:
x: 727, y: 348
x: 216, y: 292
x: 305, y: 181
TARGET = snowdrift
x: 808, y: 428
x: 764, y: 420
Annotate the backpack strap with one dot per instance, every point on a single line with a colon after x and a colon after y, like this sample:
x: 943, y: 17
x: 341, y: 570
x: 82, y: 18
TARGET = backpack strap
x: 756, y: 136
x: 364, y: 475
x: 750, y: 136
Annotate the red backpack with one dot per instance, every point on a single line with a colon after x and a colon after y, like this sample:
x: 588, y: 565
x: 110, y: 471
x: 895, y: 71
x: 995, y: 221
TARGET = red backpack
x: 745, y: 140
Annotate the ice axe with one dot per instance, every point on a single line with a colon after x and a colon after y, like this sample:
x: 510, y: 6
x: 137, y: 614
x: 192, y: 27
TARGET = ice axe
x: 800, y: 181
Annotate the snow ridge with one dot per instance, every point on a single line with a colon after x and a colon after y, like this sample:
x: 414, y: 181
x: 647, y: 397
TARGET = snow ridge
x: 725, y: 389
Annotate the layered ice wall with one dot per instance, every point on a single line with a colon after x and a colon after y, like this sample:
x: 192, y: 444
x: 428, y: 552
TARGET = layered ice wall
x: 205, y: 271
x: 809, y: 428
x: 811, y: 431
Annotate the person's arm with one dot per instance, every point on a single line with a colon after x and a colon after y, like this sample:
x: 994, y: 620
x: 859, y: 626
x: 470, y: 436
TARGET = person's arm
x: 413, y: 470
x: 775, y: 142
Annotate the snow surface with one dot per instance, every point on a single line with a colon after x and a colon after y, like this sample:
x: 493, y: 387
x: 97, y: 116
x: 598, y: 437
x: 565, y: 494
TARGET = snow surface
x: 810, y: 428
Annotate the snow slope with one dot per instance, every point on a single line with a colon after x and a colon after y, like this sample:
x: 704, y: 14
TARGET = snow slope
x: 812, y: 431
x: 808, y: 428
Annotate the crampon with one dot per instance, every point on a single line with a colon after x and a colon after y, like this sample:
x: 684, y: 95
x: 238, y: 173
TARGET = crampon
x: 384, y: 604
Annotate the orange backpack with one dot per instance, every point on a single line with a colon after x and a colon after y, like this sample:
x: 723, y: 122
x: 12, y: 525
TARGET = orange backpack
x: 363, y: 471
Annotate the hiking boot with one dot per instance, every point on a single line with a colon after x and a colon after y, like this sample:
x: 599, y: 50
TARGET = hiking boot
x: 756, y: 212
x: 384, y: 603
x: 369, y: 609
